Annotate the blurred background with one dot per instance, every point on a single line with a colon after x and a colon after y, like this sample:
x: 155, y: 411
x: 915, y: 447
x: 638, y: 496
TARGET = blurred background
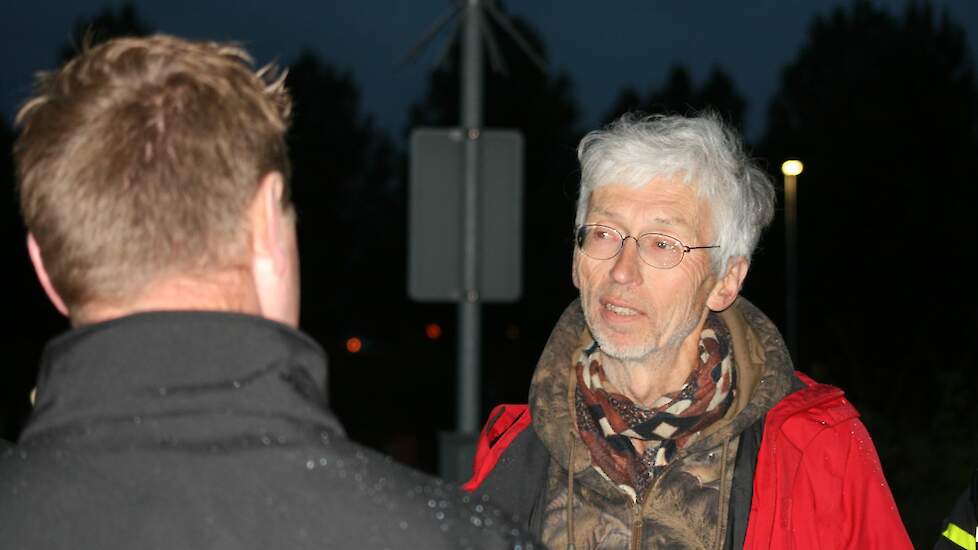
x: 878, y: 99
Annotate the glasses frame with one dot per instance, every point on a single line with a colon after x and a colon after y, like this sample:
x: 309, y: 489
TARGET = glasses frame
x: 582, y: 230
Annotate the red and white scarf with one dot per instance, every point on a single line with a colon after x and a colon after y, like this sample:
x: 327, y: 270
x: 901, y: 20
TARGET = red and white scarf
x: 609, y: 421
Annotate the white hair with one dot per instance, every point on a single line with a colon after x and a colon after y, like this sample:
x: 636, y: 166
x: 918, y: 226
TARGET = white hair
x: 703, y: 152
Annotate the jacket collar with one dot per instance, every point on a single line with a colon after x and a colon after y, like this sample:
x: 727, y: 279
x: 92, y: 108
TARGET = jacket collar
x: 764, y: 377
x: 169, y: 370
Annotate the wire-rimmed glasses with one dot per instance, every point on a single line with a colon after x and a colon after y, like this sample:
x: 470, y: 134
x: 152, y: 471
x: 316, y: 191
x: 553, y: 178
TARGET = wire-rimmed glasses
x: 658, y: 250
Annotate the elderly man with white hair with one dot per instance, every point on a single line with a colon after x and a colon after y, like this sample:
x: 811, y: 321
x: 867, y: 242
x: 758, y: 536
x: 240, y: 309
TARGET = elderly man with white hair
x: 665, y: 411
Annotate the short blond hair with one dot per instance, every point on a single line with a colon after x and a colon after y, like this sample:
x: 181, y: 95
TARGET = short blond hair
x: 139, y: 158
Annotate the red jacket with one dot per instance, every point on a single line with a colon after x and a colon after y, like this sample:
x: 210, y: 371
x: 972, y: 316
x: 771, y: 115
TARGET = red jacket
x: 817, y: 484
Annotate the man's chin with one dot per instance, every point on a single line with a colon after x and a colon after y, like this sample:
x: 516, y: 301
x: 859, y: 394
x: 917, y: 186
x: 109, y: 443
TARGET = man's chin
x: 620, y: 350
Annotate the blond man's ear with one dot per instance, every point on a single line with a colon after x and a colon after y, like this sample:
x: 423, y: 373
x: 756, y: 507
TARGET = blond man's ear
x: 42, y: 275
x: 274, y: 254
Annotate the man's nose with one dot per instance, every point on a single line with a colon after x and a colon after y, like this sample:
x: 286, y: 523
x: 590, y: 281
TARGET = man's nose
x: 627, y: 269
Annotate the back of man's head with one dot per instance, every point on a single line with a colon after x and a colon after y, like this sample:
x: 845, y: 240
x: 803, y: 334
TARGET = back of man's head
x: 139, y: 159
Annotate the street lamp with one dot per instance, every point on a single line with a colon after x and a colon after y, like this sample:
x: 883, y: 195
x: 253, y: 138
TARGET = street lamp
x: 791, y: 169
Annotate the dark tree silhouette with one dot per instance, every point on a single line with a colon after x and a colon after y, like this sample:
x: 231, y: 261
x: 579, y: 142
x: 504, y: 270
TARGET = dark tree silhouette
x: 680, y: 95
x: 38, y: 321
x: 541, y: 106
x: 347, y: 195
x: 23, y: 297
x: 883, y: 110
x: 349, y: 191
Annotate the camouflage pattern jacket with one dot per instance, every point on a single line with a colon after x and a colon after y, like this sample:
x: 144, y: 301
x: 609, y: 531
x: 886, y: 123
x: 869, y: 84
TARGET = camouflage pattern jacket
x: 708, y: 497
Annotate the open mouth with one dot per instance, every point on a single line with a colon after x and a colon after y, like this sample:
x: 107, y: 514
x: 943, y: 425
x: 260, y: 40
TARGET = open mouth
x: 620, y: 310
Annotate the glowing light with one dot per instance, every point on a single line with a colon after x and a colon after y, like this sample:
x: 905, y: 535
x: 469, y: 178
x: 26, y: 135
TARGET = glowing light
x: 354, y: 344
x: 432, y: 331
x: 792, y: 167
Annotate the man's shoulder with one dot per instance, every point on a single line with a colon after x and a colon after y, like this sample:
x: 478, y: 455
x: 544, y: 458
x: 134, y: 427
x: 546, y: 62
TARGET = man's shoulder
x: 506, y: 423
x: 801, y: 416
x: 292, y: 493
x: 510, y: 469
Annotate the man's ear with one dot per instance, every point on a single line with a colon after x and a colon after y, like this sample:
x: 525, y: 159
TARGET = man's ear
x: 728, y: 287
x: 574, y: 276
x: 267, y: 224
x: 42, y: 275
x: 274, y: 260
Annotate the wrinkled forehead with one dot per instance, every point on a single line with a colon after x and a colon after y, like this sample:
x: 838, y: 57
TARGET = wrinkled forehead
x: 641, y: 175
x: 654, y: 205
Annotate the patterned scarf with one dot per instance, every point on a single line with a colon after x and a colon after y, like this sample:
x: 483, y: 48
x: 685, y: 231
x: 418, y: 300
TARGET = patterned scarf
x: 608, y: 421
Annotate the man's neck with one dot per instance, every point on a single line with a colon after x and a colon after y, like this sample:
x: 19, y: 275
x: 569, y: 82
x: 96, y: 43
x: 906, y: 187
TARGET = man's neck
x: 660, y: 372
x: 227, y: 291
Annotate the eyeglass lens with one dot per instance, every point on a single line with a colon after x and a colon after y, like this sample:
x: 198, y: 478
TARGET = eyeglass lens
x: 603, y: 243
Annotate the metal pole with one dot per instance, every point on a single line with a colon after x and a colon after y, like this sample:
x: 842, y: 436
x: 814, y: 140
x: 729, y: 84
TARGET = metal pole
x: 791, y: 263
x: 469, y: 310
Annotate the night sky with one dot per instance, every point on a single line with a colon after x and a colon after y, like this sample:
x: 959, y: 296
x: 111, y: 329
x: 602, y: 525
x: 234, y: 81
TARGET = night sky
x: 602, y: 46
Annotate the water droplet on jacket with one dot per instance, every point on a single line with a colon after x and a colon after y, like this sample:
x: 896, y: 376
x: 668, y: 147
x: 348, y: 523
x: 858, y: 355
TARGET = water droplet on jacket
x: 439, y: 515
x: 479, y: 508
x: 403, y: 525
x: 163, y: 391
x: 137, y: 420
x: 443, y: 504
x: 310, y: 464
x: 236, y: 384
x: 432, y: 503
x: 476, y: 521
x: 265, y: 440
x: 323, y: 461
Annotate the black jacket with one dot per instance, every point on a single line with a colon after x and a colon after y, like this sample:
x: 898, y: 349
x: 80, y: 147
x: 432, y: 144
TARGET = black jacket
x: 959, y: 530
x: 210, y: 430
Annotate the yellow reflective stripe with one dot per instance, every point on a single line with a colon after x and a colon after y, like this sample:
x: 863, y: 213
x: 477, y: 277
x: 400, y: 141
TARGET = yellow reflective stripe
x: 959, y: 536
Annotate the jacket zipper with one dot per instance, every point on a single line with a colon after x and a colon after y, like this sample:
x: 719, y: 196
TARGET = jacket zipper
x: 638, y: 510
x: 636, y: 527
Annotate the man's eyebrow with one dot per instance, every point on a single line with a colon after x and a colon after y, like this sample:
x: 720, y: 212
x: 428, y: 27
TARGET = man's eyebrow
x: 602, y: 211
x: 657, y: 220
x: 673, y: 222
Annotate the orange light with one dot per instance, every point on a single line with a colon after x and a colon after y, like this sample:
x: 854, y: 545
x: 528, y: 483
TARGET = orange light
x: 432, y: 331
x: 354, y: 344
